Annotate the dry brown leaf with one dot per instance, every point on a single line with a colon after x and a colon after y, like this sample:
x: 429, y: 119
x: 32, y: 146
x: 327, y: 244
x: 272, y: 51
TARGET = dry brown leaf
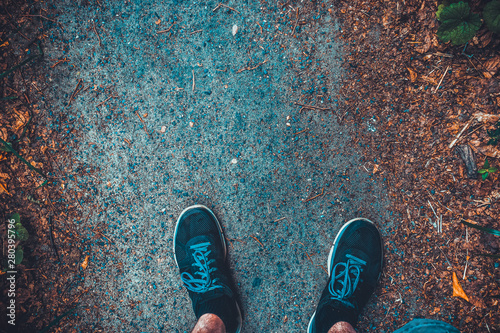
x: 457, y: 288
x: 386, y: 21
x: 21, y: 120
x: 85, y: 263
x: 490, y: 151
x: 429, y: 79
x: 413, y: 74
x: 3, y: 188
x: 486, y: 118
x: 491, y: 67
x: 3, y: 134
x: 495, y: 194
x: 485, y: 149
x: 484, y: 39
x: 426, y: 45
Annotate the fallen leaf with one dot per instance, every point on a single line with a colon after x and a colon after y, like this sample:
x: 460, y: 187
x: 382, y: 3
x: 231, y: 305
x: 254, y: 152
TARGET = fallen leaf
x: 3, y: 134
x: 457, y: 288
x: 3, y: 188
x: 413, y: 75
x: 486, y: 118
x: 375, y: 168
x: 491, y: 67
x: 485, y: 149
x: 429, y: 79
x: 426, y: 45
x: 85, y: 263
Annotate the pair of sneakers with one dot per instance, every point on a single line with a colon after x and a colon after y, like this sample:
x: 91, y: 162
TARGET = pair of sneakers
x: 354, y: 267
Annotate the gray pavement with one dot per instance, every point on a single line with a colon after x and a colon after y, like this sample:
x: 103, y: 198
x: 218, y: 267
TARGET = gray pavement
x: 233, y: 141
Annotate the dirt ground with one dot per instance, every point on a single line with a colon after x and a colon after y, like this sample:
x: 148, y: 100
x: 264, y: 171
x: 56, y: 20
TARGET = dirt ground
x: 404, y: 98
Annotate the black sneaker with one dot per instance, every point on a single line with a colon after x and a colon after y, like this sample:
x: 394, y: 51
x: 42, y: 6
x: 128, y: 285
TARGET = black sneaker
x: 200, y: 254
x: 354, y: 267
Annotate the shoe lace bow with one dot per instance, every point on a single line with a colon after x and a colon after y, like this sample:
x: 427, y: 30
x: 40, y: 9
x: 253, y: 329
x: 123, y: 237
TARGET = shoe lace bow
x: 346, y: 276
x: 203, y: 282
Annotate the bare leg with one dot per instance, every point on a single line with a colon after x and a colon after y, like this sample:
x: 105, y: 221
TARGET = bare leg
x: 209, y: 323
x: 341, y: 327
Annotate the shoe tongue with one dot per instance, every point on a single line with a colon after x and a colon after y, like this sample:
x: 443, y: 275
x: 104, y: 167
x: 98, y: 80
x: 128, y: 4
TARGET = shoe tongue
x: 199, y: 240
x: 209, y: 242
x: 358, y: 254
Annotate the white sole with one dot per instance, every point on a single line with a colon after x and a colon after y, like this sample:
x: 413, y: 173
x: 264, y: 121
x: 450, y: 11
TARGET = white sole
x: 339, y: 234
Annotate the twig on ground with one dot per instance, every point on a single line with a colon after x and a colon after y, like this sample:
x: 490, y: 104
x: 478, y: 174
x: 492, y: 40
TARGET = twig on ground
x: 103, y: 235
x: 166, y: 30
x: 472, y: 132
x: 459, y: 134
x: 260, y: 27
x: 300, y: 132
x: 258, y: 241
x: 58, y: 61
x: 196, y: 31
x: 98, y: 37
x: 466, y: 261
x: 107, y: 99
x: 193, y: 79
x: 445, y: 257
x: 316, y: 196
x: 311, y: 107
x: 252, y: 68
x: 296, y: 22
x: 281, y: 219
x: 433, y: 209
x: 142, y: 121
x: 78, y: 87
x: 307, y: 254
x: 442, y: 78
x: 223, y: 5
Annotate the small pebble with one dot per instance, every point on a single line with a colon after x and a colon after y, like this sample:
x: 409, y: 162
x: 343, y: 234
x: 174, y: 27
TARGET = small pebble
x: 235, y: 29
x: 163, y: 129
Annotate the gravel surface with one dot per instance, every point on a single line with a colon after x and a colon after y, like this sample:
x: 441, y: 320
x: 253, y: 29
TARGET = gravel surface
x: 182, y: 104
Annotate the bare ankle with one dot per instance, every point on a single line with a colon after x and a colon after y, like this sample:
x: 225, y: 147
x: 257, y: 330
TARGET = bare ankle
x: 342, y: 327
x: 209, y: 323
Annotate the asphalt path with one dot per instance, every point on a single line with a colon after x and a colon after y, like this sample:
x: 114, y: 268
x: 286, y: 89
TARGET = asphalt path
x: 185, y: 103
